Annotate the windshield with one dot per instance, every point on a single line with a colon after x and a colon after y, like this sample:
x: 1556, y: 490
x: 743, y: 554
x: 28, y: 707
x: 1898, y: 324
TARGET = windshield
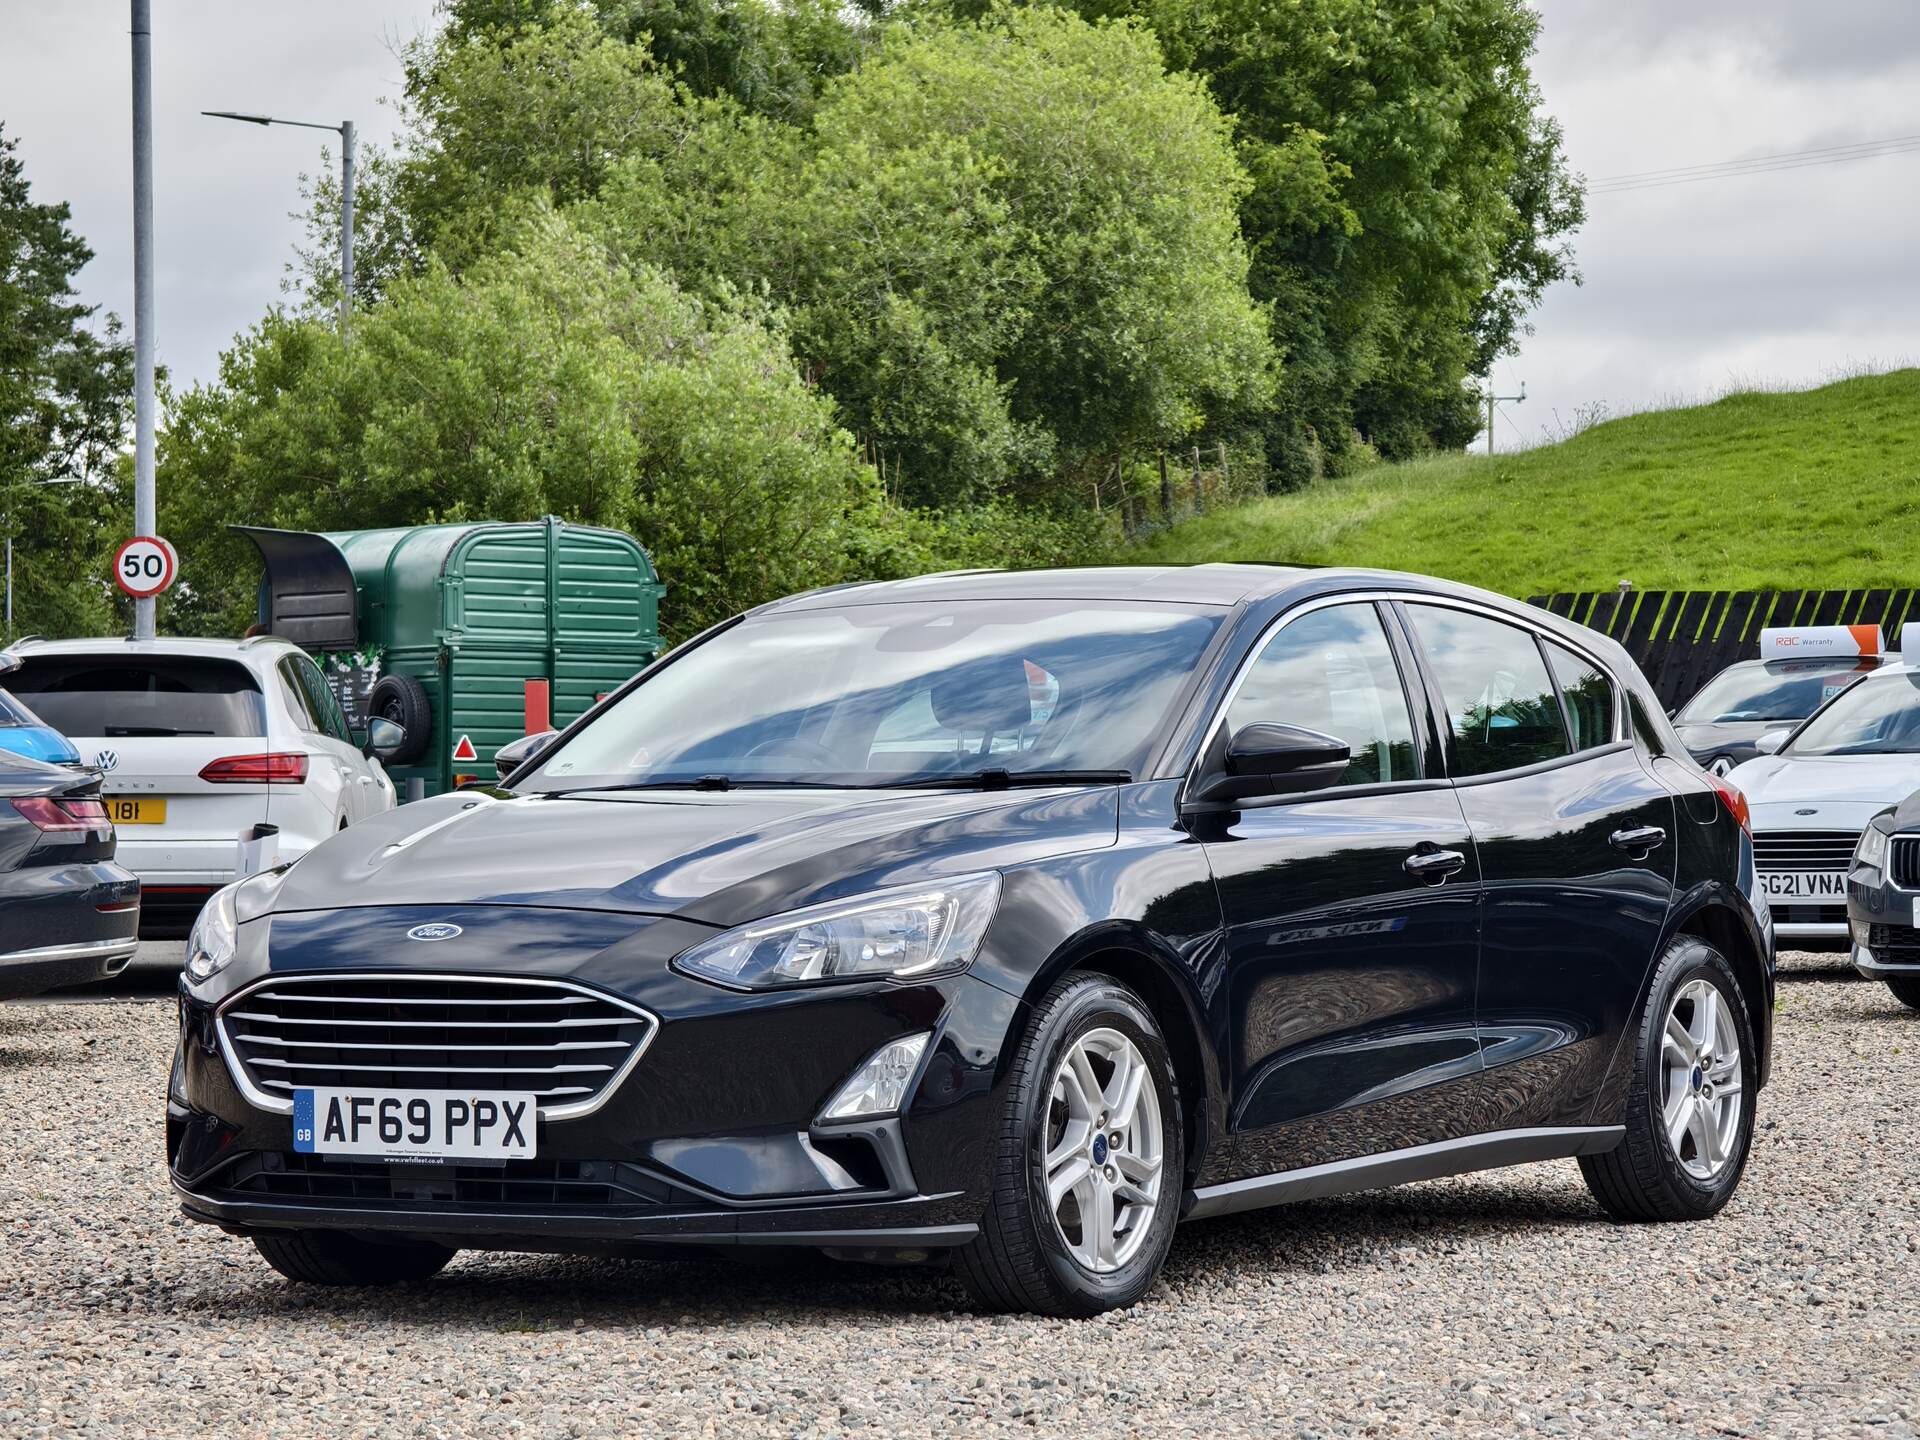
x: 1766, y: 692
x: 1880, y: 716
x: 890, y: 694
x: 142, y: 695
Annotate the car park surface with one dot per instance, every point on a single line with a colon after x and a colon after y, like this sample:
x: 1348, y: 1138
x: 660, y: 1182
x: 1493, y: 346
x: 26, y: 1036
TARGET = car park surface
x: 1505, y: 1303
x: 939, y: 932
x: 199, y: 742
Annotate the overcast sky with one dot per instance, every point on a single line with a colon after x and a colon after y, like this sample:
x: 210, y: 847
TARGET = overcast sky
x: 1772, y: 278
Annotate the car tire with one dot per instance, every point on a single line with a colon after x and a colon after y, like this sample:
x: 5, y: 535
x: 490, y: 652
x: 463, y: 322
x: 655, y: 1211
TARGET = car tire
x: 1906, y: 989
x: 329, y: 1257
x: 1027, y: 1257
x: 1682, y: 1087
x: 403, y: 700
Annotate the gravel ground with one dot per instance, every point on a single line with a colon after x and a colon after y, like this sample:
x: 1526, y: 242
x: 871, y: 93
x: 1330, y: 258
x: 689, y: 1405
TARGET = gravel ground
x: 1499, y: 1303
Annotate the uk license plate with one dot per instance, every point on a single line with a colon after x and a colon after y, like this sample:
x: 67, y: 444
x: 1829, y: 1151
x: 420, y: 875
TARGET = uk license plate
x: 1804, y: 884
x: 129, y: 810
x: 415, y: 1124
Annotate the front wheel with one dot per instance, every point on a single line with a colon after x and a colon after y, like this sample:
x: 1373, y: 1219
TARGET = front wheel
x: 1906, y: 989
x: 1690, y: 1105
x: 1087, y: 1177
x: 328, y: 1257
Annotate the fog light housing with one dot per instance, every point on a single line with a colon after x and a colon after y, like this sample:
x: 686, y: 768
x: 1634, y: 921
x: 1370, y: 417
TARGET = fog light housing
x: 1860, y: 932
x: 878, y: 1087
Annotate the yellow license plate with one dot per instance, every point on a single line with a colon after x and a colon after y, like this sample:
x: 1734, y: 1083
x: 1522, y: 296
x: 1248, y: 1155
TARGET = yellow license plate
x: 125, y: 810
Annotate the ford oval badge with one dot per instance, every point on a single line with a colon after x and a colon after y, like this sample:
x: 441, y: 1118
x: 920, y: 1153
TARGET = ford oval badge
x: 435, y: 931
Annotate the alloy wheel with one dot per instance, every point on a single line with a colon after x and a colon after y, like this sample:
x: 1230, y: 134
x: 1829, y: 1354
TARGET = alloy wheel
x: 1104, y: 1150
x: 1701, y: 1094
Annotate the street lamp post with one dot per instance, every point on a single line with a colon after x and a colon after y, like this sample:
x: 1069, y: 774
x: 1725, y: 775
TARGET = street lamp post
x: 345, y: 131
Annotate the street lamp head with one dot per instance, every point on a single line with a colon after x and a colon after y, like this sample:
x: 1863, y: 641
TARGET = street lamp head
x: 235, y: 115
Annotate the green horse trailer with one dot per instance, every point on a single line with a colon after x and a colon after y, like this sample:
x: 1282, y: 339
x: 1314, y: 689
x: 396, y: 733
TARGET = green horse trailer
x: 467, y: 636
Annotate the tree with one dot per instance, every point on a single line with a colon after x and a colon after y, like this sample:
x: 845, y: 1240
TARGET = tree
x: 65, y: 400
x: 546, y: 378
x: 1410, y: 200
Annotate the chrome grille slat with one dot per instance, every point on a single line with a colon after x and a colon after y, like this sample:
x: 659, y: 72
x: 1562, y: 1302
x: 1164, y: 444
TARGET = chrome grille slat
x: 431, y: 1032
x: 573, y: 1022
x: 555, y: 1090
x: 389, y: 1000
x: 333, y: 1068
x: 434, y: 1049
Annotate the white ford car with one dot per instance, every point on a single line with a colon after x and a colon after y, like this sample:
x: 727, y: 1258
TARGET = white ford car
x: 1815, y: 787
x: 198, y: 742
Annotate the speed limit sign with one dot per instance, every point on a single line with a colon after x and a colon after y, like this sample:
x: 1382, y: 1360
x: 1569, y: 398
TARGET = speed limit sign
x: 145, y: 566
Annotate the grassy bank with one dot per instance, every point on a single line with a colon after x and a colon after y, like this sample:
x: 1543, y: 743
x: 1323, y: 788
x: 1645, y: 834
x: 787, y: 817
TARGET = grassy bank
x: 1814, y: 489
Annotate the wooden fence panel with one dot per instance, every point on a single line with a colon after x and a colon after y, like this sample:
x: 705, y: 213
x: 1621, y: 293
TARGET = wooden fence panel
x: 1683, y: 639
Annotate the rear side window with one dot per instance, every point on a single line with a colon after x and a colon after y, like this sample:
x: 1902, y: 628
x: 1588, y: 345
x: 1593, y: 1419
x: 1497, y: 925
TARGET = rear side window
x: 159, y: 695
x: 1333, y: 671
x: 1500, y: 699
x: 1589, y: 697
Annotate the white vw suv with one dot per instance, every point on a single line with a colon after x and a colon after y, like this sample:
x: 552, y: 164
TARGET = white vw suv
x: 198, y: 742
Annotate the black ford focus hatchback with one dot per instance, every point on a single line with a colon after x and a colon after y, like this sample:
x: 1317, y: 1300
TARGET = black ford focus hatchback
x: 1002, y: 921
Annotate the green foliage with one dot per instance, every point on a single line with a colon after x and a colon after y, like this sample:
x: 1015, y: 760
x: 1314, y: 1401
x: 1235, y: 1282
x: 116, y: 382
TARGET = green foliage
x: 1740, y: 494
x: 546, y: 379
x: 1410, y: 200
x: 1010, y: 250
x: 65, y: 397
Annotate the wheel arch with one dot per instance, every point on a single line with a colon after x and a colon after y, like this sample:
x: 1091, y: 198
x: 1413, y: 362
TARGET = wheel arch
x: 1723, y: 926
x: 1145, y: 966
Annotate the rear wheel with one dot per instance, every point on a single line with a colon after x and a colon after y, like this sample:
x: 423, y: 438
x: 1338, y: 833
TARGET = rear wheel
x: 1087, y: 1178
x: 1690, y: 1106
x: 1906, y: 989
x: 328, y: 1257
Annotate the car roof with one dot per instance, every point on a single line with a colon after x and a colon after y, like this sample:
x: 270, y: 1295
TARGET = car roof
x: 1221, y: 585
x: 1813, y: 662
x: 203, y: 647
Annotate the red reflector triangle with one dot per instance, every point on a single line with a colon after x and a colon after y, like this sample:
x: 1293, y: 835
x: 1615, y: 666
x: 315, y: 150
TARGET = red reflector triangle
x: 464, y: 750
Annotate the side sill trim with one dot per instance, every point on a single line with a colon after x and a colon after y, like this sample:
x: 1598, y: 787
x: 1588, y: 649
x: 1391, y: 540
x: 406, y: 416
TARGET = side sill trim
x: 1401, y: 1167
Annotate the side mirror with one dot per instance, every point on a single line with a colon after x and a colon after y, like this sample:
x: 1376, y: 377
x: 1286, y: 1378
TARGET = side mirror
x: 1770, y: 743
x: 1276, y: 760
x: 515, y: 753
x: 384, y: 738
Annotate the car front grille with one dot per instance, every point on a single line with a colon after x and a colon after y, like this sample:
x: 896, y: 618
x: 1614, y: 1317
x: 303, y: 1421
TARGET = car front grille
x: 1894, y: 944
x: 1805, y: 849
x: 1903, y: 861
x: 549, y: 1186
x: 565, y: 1045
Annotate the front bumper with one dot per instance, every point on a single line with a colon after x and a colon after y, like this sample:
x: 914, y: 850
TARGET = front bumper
x: 1882, y: 918
x: 709, y: 1140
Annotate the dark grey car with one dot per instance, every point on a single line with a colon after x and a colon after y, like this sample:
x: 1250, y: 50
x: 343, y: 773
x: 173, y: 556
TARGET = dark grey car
x: 1883, y: 900
x: 68, y: 914
x: 1722, y: 724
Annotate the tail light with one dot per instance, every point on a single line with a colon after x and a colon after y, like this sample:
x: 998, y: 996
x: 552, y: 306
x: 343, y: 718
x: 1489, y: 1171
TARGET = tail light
x: 63, y: 817
x: 1736, y: 802
x: 279, y: 768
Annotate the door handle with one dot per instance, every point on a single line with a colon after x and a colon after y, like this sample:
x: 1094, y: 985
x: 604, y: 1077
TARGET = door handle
x: 1640, y: 839
x: 1434, y: 865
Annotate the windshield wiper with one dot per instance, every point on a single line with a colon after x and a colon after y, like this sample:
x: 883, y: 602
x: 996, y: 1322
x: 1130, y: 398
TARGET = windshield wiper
x: 1000, y: 778
x: 700, y: 782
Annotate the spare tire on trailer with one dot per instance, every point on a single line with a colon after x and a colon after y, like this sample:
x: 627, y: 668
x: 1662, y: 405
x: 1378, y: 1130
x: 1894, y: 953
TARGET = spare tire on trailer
x: 403, y: 700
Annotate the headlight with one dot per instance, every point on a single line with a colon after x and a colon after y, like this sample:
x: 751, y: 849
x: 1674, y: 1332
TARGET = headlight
x: 215, y: 937
x: 1872, y: 849
x: 910, y: 932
